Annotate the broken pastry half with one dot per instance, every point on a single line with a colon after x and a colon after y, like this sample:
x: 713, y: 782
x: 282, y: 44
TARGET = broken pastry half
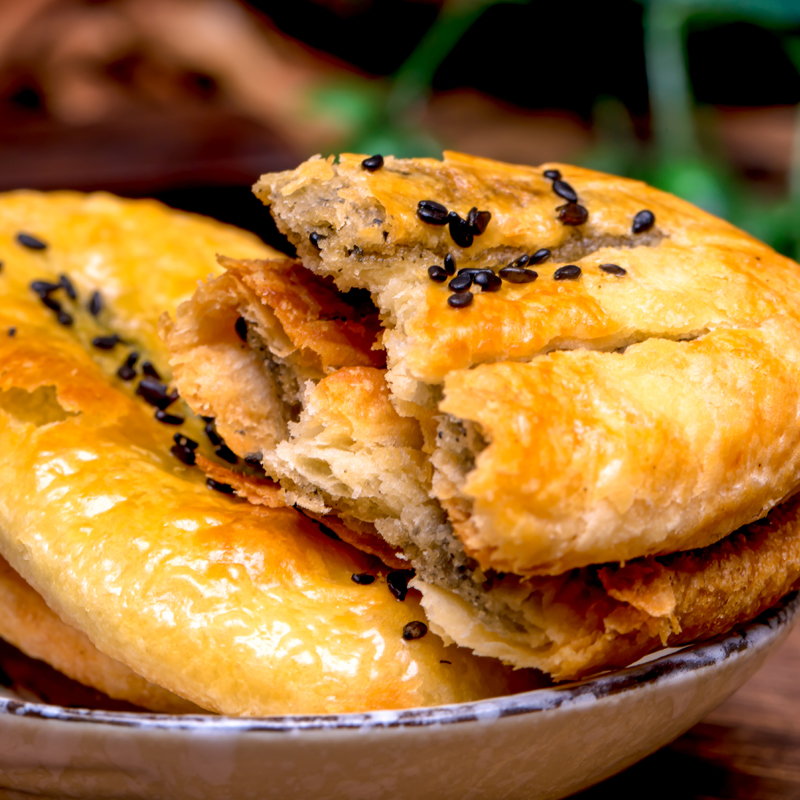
x: 567, y: 400
x: 127, y: 566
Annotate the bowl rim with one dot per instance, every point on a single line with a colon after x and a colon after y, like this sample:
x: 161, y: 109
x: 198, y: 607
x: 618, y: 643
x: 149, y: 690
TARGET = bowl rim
x: 674, y: 665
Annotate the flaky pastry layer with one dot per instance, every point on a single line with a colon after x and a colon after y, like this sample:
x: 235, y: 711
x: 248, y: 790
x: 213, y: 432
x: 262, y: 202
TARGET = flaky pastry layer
x: 569, y: 625
x: 28, y: 624
x: 612, y: 416
x: 238, y: 608
x: 609, y: 616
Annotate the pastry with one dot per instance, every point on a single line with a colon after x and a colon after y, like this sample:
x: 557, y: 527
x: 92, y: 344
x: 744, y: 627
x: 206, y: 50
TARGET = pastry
x: 28, y: 623
x: 616, y: 382
x: 237, y: 608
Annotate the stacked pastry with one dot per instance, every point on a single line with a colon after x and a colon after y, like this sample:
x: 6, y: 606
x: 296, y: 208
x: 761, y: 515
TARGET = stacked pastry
x: 570, y: 403
x: 126, y: 567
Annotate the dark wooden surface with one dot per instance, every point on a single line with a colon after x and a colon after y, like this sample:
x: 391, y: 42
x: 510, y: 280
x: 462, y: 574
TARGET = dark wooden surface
x: 747, y: 749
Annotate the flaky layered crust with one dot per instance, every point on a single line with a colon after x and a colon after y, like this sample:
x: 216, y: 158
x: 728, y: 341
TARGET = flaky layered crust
x: 304, y: 393
x: 583, y: 620
x: 622, y: 415
x: 28, y: 624
x: 667, y: 446
x: 610, y: 616
x: 240, y: 609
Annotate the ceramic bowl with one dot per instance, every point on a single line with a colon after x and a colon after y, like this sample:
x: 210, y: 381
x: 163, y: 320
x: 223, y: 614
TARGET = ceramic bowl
x: 546, y: 743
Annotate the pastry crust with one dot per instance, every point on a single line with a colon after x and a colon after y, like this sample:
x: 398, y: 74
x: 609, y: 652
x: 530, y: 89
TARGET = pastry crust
x: 303, y: 392
x: 583, y: 620
x: 622, y: 416
x: 604, y: 617
x: 28, y: 624
x: 665, y: 447
x: 240, y: 609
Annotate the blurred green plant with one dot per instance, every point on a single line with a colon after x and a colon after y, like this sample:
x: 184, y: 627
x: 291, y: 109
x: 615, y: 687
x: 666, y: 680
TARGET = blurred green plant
x: 387, y: 116
x: 677, y: 160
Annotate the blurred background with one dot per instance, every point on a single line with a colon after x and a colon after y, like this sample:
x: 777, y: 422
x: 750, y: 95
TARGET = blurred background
x: 190, y: 100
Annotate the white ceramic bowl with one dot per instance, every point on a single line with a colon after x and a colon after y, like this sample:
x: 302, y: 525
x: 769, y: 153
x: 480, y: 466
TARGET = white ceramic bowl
x: 546, y: 743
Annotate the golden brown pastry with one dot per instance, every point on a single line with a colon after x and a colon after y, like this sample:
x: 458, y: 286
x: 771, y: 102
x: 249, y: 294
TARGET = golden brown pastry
x: 621, y: 383
x: 610, y: 615
x: 653, y: 403
x: 347, y: 444
x: 238, y: 608
x: 28, y: 624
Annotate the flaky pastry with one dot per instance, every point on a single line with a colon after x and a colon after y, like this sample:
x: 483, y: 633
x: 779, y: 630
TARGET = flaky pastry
x: 27, y: 623
x: 620, y: 383
x: 104, y: 512
x: 667, y: 397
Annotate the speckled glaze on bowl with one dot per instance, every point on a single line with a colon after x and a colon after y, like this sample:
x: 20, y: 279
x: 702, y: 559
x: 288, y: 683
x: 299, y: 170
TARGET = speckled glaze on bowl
x: 541, y: 744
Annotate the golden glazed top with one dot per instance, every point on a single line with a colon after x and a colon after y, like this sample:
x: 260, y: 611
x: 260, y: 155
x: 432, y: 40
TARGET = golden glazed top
x: 634, y: 411
x: 240, y: 609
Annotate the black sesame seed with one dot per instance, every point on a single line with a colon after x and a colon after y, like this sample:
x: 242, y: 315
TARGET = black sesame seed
x: 567, y: 273
x: 184, y: 454
x: 552, y: 174
x: 473, y: 271
x: 31, y: 242
x: 432, y: 205
x: 437, y: 273
x: 444, y: 661
x: 95, y: 305
x: 169, y: 419
x: 372, y: 163
x: 488, y: 281
x: 53, y: 305
x: 126, y: 372
x: 643, y: 221
x: 522, y: 261
x: 398, y: 582
x: 219, y: 487
x: 460, y: 230
x: 482, y: 221
x: 315, y: 239
x: 44, y: 288
x: 362, y: 578
x: 460, y: 300
x: 449, y: 264
x: 226, y: 454
x: 414, y: 630
x: 478, y: 220
x: 12, y: 331
x: 69, y: 288
x: 563, y: 189
x: 241, y: 328
x: 213, y: 436
x: 150, y: 371
x: 539, y: 256
x: 461, y: 282
x: 155, y: 393
x: 185, y: 441
x: 106, y: 342
x: 518, y: 275
x: 432, y: 212
x: 65, y: 319
x: 572, y: 214
x: 328, y: 532
x: 613, y: 269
